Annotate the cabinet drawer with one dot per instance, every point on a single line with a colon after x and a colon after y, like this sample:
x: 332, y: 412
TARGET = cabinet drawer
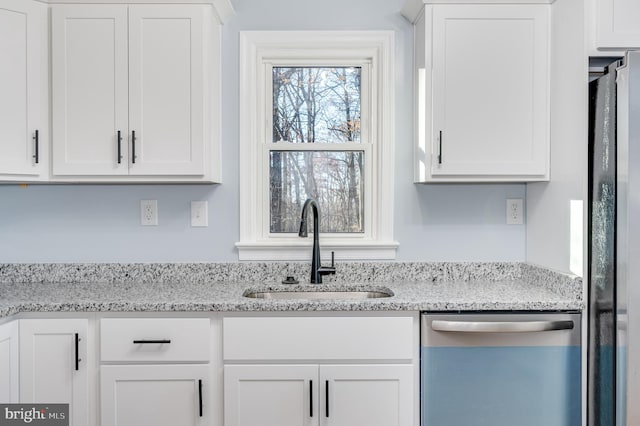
x: 154, y: 339
x: 327, y: 338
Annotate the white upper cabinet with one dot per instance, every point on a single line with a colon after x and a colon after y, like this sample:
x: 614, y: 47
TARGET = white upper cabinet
x: 90, y: 98
x: 166, y: 60
x: 23, y: 89
x: 135, y: 93
x: 482, y: 102
x: 617, y: 24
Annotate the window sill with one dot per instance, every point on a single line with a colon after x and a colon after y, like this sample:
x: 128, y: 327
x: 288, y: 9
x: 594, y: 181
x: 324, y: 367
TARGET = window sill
x: 301, y: 251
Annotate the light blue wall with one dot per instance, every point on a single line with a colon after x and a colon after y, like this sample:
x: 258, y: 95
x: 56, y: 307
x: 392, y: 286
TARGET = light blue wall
x: 100, y: 223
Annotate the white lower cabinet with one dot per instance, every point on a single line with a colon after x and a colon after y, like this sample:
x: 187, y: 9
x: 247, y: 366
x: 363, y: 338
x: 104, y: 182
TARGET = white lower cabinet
x: 157, y: 371
x: 305, y: 395
x: 9, y: 353
x: 321, y: 370
x: 299, y: 370
x: 158, y: 395
x: 372, y: 395
x: 271, y: 395
x: 54, y: 365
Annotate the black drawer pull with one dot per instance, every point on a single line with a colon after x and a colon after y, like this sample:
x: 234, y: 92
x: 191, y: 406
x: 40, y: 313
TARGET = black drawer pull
x: 77, y: 351
x: 119, y: 147
x: 310, y: 398
x: 144, y: 342
x: 133, y: 146
x: 36, y: 141
x: 440, y: 151
x: 326, y: 399
x: 200, y: 396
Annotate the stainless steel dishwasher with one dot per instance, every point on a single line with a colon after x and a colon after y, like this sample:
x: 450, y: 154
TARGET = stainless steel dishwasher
x: 500, y: 369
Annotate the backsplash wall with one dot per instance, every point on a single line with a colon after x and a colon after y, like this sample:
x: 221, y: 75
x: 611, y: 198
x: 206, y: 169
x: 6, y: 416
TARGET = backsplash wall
x: 100, y: 223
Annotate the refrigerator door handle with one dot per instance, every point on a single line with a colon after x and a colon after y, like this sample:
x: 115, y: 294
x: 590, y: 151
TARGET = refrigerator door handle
x: 500, y: 326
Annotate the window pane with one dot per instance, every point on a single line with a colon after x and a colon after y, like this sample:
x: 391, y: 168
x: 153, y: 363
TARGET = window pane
x: 333, y: 178
x: 313, y: 104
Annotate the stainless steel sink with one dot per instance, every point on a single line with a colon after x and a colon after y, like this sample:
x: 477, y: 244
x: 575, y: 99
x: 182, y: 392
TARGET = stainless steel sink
x: 318, y: 295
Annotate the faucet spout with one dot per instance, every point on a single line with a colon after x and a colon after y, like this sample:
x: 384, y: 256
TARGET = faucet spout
x: 317, y: 270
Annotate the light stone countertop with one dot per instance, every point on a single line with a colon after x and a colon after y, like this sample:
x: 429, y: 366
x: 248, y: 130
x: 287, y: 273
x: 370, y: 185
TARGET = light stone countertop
x: 463, y: 295
x: 219, y: 287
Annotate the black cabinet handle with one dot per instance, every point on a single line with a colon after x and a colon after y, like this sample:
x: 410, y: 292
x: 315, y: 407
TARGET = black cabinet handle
x: 36, y: 142
x: 143, y: 342
x: 77, y: 352
x: 440, y: 150
x: 326, y: 398
x: 133, y: 146
x: 310, y: 398
x: 200, y: 396
x: 119, y: 147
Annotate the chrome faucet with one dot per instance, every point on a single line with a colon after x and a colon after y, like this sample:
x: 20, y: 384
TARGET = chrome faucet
x: 317, y: 270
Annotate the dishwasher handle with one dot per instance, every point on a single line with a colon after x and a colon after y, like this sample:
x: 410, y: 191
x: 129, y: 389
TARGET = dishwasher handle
x: 500, y: 326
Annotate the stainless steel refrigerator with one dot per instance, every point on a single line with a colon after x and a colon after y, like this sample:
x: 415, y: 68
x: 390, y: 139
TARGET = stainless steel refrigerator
x: 613, y: 393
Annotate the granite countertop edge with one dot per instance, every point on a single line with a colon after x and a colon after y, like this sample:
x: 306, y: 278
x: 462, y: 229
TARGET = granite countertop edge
x: 454, y: 296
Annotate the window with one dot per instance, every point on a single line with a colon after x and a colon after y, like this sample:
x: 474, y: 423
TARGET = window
x: 316, y: 108
x: 316, y: 122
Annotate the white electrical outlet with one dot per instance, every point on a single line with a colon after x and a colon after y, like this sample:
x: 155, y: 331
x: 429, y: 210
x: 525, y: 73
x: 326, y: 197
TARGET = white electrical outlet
x: 515, y: 211
x: 148, y: 212
x: 199, y: 214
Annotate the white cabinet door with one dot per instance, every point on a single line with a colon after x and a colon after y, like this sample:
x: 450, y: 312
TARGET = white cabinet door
x: 490, y: 88
x: 372, y: 395
x: 54, y: 364
x: 271, y: 395
x: 128, y: 90
x: 158, y: 395
x: 166, y: 71
x: 330, y: 395
x: 9, y: 351
x: 23, y: 89
x: 89, y: 89
x: 617, y: 24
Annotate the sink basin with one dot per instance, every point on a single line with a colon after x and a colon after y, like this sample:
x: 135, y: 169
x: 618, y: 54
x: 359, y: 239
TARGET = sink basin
x: 318, y: 295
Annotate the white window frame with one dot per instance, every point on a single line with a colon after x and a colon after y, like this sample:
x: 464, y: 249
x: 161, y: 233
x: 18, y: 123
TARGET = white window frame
x: 259, y: 52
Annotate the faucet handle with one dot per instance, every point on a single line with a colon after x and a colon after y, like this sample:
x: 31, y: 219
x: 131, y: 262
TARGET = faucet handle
x: 328, y: 270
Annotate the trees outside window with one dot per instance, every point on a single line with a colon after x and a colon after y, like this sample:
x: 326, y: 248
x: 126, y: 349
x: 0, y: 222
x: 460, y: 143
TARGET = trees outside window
x: 316, y: 105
